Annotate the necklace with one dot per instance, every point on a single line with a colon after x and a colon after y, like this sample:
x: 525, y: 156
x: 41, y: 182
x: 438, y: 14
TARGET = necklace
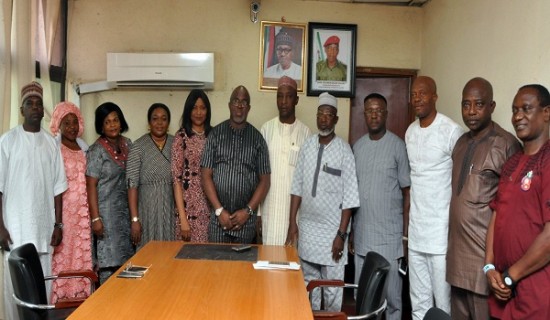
x: 161, y: 144
x: 197, y: 132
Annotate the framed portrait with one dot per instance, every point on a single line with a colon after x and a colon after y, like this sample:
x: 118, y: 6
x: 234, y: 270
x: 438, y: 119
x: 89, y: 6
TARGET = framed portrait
x: 331, y: 59
x: 282, y: 53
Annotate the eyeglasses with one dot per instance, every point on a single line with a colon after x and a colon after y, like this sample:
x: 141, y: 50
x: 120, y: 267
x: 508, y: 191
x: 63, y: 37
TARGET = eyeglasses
x: 377, y: 112
x: 325, y: 115
x: 283, y: 50
x: 236, y: 102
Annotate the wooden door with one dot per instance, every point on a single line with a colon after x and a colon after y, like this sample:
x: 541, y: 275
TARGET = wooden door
x: 395, y: 86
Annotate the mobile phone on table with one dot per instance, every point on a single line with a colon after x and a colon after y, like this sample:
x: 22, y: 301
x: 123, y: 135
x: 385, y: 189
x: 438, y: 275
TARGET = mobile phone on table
x: 241, y: 248
x: 403, y: 266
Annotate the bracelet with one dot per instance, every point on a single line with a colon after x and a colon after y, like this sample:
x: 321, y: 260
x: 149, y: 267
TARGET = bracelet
x: 405, y: 238
x: 488, y: 267
x: 96, y: 219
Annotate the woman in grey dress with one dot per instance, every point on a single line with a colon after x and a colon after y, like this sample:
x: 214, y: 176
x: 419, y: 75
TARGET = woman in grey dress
x: 150, y: 194
x: 107, y: 194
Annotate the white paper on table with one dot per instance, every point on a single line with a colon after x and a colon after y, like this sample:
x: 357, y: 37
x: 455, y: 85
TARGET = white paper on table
x: 276, y: 265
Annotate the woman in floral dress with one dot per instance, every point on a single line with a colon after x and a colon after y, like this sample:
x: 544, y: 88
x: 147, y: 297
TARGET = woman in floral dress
x: 75, y: 251
x: 192, y: 206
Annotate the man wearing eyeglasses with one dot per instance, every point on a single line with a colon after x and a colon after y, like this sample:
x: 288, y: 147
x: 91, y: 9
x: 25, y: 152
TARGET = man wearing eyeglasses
x: 235, y: 173
x: 331, y: 68
x: 383, y: 174
x: 324, y: 188
x: 284, y: 46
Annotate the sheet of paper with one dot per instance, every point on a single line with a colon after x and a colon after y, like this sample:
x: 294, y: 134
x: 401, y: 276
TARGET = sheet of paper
x: 276, y: 265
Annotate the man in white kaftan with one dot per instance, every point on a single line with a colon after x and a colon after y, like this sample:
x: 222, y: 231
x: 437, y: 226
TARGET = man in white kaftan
x: 284, y: 135
x: 32, y: 179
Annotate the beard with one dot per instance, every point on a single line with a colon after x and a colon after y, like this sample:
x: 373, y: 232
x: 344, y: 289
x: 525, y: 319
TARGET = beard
x: 326, y: 132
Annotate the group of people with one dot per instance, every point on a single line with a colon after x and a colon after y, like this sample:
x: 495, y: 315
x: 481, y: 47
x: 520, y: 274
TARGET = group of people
x: 432, y: 199
x: 471, y: 208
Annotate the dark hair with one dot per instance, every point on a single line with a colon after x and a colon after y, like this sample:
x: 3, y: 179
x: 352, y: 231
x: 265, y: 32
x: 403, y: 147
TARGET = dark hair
x: 542, y: 93
x: 155, y: 106
x: 192, y: 98
x: 375, y: 96
x: 103, y: 111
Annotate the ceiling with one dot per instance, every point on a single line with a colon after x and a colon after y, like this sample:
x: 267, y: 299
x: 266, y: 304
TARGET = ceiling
x: 411, y: 3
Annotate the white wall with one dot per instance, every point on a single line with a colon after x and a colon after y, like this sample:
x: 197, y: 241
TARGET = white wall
x: 387, y: 37
x: 503, y: 41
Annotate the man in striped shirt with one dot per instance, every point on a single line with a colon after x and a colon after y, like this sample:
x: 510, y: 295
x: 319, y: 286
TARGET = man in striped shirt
x: 284, y: 136
x: 383, y: 175
x: 235, y: 173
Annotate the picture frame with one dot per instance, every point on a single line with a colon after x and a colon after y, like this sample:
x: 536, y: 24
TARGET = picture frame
x: 286, y: 42
x: 338, y: 80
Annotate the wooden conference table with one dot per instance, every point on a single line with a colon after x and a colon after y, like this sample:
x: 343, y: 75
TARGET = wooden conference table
x: 201, y: 289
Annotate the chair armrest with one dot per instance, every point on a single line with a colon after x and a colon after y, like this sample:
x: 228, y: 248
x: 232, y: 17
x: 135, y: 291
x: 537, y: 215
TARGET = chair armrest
x: 69, y: 303
x: 29, y: 305
x: 371, y: 314
x: 321, y: 315
x: 324, y: 283
x: 79, y: 274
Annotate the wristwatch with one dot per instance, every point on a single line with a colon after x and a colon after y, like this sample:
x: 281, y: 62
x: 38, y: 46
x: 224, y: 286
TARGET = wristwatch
x: 218, y: 211
x: 135, y: 219
x: 508, y: 281
x: 342, y: 235
x: 58, y: 225
x: 249, y: 210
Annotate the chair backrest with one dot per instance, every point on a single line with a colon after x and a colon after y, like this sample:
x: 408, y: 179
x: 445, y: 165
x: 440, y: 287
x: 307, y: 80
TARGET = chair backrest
x: 373, y: 284
x: 27, y: 278
x: 435, y: 313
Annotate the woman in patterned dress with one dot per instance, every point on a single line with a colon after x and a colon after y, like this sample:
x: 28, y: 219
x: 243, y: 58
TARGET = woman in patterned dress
x: 75, y: 251
x: 107, y: 193
x: 192, y: 207
x: 150, y: 193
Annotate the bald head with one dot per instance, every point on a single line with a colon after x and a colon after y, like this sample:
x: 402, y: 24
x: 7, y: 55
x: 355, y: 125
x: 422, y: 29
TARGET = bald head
x: 423, y: 98
x: 428, y: 82
x: 481, y: 85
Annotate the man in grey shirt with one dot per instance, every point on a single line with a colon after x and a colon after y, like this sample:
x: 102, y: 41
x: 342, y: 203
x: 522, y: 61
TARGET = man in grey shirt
x: 383, y: 173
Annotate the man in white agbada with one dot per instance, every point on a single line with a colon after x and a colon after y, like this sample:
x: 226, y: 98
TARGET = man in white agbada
x: 32, y: 179
x: 284, y: 135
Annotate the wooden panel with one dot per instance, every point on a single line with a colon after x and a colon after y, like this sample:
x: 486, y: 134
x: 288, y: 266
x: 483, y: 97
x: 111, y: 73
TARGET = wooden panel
x: 201, y: 289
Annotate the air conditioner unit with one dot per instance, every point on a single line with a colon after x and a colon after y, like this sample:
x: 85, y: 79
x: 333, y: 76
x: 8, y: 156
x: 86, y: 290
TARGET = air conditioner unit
x: 155, y: 70
x: 161, y: 70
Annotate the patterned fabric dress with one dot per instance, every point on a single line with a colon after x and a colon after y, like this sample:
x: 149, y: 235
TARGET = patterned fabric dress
x: 186, y: 170
x: 75, y: 251
x: 149, y: 170
x: 115, y: 247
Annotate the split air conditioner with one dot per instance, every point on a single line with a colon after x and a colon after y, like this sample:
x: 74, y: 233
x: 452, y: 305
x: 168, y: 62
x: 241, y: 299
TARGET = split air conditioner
x: 192, y: 70
x: 155, y: 70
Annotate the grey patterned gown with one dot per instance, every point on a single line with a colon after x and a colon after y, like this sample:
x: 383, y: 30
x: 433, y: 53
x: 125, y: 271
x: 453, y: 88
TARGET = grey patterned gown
x: 115, y: 247
x: 150, y: 171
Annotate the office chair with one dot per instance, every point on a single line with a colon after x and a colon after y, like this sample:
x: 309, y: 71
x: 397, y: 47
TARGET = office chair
x: 436, y: 314
x: 29, y: 288
x: 371, y: 290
